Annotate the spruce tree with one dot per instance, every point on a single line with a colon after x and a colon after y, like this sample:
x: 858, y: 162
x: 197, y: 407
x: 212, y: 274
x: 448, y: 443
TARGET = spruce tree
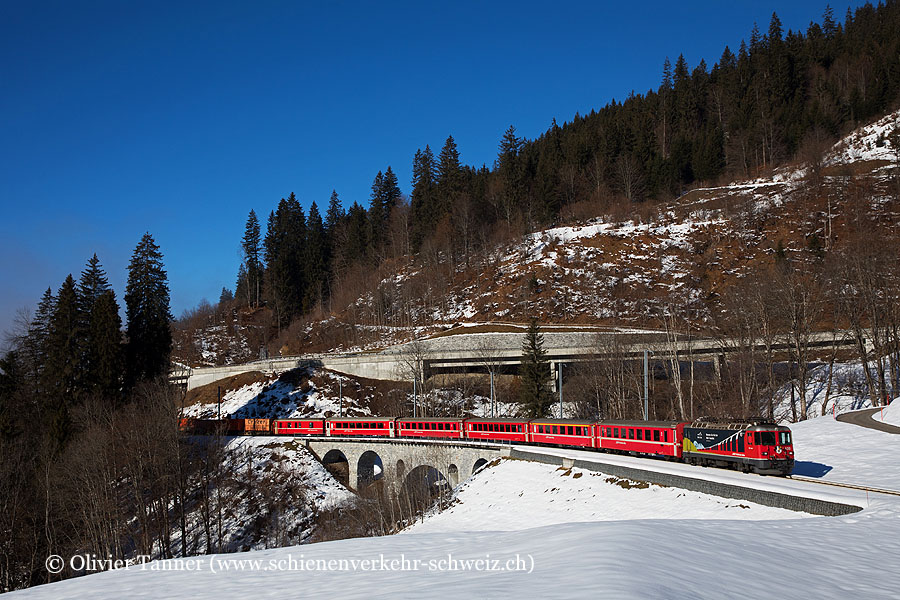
x: 38, y: 334
x: 92, y: 285
x: 250, y: 245
x: 535, y: 374
x: 316, y: 258
x: 147, y: 310
x: 105, y: 359
x: 335, y: 213
x: 62, y: 370
x: 422, y: 202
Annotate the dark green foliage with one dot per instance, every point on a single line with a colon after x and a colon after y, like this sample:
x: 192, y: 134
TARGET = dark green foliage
x: 535, y: 374
x: 284, y: 248
x: 147, y: 310
x: 250, y: 246
x: 105, y: 358
x: 316, y: 258
x: 423, y: 203
x: 62, y: 369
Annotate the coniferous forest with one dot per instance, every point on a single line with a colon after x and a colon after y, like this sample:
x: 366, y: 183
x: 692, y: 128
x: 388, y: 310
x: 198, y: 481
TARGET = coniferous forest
x: 757, y: 107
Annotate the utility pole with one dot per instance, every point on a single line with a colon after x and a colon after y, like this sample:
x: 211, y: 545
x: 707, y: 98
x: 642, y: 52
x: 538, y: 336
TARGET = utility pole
x: 341, y: 394
x: 559, y: 368
x: 219, y: 400
x: 646, y: 385
x: 492, y: 393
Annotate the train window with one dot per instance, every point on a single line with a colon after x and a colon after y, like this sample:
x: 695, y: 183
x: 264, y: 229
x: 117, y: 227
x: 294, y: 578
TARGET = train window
x: 740, y: 443
x: 555, y: 429
x: 615, y: 432
x: 656, y: 435
x: 785, y: 438
x: 640, y: 434
x: 767, y: 438
x: 630, y: 434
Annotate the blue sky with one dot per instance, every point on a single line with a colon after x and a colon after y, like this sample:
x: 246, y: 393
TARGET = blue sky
x: 178, y: 118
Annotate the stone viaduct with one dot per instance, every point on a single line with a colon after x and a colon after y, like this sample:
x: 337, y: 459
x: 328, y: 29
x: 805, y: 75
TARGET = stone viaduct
x: 399, y: 460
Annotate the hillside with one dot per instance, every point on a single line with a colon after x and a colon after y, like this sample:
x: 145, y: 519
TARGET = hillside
x: 630, y: 267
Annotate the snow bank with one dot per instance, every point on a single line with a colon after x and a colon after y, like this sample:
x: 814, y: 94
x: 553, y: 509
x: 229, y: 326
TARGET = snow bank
x: 890, y: 414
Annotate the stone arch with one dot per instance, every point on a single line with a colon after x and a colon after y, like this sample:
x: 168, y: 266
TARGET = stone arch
x: 369, y: 469
x: 337, y: 464
x: 423, y: 484
x: 453, y: 475
x: 479, y: 464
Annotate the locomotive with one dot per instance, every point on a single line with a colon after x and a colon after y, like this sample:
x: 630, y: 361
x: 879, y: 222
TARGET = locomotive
x: 755, y: 445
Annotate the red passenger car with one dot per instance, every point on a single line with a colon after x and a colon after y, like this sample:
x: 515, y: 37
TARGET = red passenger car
x: 298, y: 427
x: 430, y: 428
x: 562, y: 432
x: 368, y: 426
x: 505, y: 430
x: 656, y: 438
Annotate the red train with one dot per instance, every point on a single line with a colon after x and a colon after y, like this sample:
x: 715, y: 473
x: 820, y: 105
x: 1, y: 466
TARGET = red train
x: 752, y: 446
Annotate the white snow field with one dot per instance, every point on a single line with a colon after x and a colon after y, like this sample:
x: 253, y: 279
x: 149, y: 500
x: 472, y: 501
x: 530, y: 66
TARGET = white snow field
x: 544, y: 532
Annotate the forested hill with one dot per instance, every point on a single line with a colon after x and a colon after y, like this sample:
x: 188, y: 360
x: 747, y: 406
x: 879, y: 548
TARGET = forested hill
x: 779, y: 98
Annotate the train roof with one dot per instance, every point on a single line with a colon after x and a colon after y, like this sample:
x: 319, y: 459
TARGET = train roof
x: 562, y: 421
x: 497, y: 420
x: 431, y: 419
x: 668, y: 424
x: 354, y: 419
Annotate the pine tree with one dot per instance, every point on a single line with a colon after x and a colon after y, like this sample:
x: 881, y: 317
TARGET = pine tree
x: 284, y: 247
x: 105, y: 360
x: 91, y: 287
x: 62, y: 370
x: 422, y: 202
x: 450, y: 178
x: 250, y: 245
x: 38, y: 333
x: 316, y: 258
x: 535, y: 374
x: 390, y: 194
x: 147, y: 310
x: 335, y: 213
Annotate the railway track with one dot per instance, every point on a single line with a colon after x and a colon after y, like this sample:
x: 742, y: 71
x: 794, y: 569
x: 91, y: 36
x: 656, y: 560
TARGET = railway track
x: 844, y: 485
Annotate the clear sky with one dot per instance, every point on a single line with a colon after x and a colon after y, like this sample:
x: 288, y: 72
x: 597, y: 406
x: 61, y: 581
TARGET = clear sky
x: 177, y: 118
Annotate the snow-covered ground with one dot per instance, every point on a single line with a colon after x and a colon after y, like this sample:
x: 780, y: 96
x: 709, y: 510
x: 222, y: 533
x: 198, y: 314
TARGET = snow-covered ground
x: 517, y: 494
x: 836, y: 451
x: 539, y: 531
x: 283, y: 399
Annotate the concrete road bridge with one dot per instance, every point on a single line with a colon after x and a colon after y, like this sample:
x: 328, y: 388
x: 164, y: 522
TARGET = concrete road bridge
x: 481, y: 352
